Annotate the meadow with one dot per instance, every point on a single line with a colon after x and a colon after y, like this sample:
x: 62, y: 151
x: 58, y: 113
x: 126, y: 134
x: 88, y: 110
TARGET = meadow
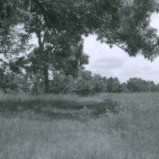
x: 103, y: 126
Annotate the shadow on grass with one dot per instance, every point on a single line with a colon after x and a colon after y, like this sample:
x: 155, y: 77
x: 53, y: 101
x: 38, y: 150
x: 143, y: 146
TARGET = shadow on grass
x: 57, y: 109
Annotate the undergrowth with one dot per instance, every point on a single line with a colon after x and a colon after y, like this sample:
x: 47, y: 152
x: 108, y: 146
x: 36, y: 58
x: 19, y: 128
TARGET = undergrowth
x: 60, y: 108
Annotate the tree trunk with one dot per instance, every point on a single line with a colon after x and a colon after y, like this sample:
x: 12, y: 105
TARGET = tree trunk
x: 45, y: 67
x: 46, y: 79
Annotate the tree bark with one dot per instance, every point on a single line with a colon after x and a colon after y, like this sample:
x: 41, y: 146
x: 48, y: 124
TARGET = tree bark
x: 43, y: 60
x: 46, y: 79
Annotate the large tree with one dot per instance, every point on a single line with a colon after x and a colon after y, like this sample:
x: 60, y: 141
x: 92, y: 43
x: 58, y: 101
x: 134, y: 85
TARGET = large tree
x: 59, y: 47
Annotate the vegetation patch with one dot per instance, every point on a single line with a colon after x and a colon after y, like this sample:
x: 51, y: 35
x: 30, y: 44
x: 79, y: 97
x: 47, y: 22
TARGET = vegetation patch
x: 107, y: 106
x: 56, y: 108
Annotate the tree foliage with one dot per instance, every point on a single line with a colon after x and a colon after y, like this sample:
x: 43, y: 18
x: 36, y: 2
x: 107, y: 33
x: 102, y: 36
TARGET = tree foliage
x: 126, y: 24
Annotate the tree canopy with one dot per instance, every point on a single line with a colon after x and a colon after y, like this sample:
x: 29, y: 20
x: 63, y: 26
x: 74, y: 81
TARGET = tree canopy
x: 119, y: 22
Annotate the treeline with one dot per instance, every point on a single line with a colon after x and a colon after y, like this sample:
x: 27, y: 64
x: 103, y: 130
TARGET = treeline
x: 85, y: 83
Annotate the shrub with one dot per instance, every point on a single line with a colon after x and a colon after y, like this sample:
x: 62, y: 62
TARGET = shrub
x: 107, y: 106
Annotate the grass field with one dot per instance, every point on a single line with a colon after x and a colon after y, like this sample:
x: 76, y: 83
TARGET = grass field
x: 65, y: 127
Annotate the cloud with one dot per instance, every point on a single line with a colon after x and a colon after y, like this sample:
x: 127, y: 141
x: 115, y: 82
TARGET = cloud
x: 154, y: 20
x: 116, y: 63
x: 109, y: 63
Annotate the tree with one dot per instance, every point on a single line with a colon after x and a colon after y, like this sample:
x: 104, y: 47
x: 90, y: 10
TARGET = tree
x: 126, y: 24
x: 6, y: 20
x: 57, y: 52
x: 12, y: 37
x: 97, y: 83
x: 60, y: 47
x: 62, y: 83
x: 83, y: 85
x: 138, y: 85
x: 152, y: 86
x: 113, y: 85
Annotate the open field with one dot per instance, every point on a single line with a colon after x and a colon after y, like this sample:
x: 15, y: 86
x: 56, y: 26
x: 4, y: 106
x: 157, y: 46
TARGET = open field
x: 66, y: 127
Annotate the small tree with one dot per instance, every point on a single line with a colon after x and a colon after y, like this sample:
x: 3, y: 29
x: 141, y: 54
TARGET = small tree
x: 113, y: 85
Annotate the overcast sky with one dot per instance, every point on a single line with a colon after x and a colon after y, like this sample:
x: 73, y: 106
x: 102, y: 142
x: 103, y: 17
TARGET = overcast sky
x: 116, y: 63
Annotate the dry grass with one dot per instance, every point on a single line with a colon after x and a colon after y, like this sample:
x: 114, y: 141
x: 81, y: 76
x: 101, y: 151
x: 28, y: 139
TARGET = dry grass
x: 62, y: 139
x: 130, y: 134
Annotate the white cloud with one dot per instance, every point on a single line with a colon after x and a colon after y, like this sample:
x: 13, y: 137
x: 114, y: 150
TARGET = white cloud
x: 116, y: 63
x: 154, y: 21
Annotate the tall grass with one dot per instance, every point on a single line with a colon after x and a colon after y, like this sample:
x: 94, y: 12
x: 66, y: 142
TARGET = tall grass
x: 132, y: 133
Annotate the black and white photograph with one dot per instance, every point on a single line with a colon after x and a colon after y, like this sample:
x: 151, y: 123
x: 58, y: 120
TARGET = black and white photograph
x: 79, y: 79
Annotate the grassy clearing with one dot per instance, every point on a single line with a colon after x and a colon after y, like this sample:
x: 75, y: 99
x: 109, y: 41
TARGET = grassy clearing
x: 133, y: 133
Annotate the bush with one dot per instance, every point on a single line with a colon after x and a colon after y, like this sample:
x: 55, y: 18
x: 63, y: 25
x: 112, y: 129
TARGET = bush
x: 107, y: 106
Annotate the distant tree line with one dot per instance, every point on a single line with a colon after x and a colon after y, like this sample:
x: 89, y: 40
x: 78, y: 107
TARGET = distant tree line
x: 85, y: 83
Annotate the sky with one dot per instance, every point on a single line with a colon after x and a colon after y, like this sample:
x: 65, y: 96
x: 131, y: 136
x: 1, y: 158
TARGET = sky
x: 114, y: 62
